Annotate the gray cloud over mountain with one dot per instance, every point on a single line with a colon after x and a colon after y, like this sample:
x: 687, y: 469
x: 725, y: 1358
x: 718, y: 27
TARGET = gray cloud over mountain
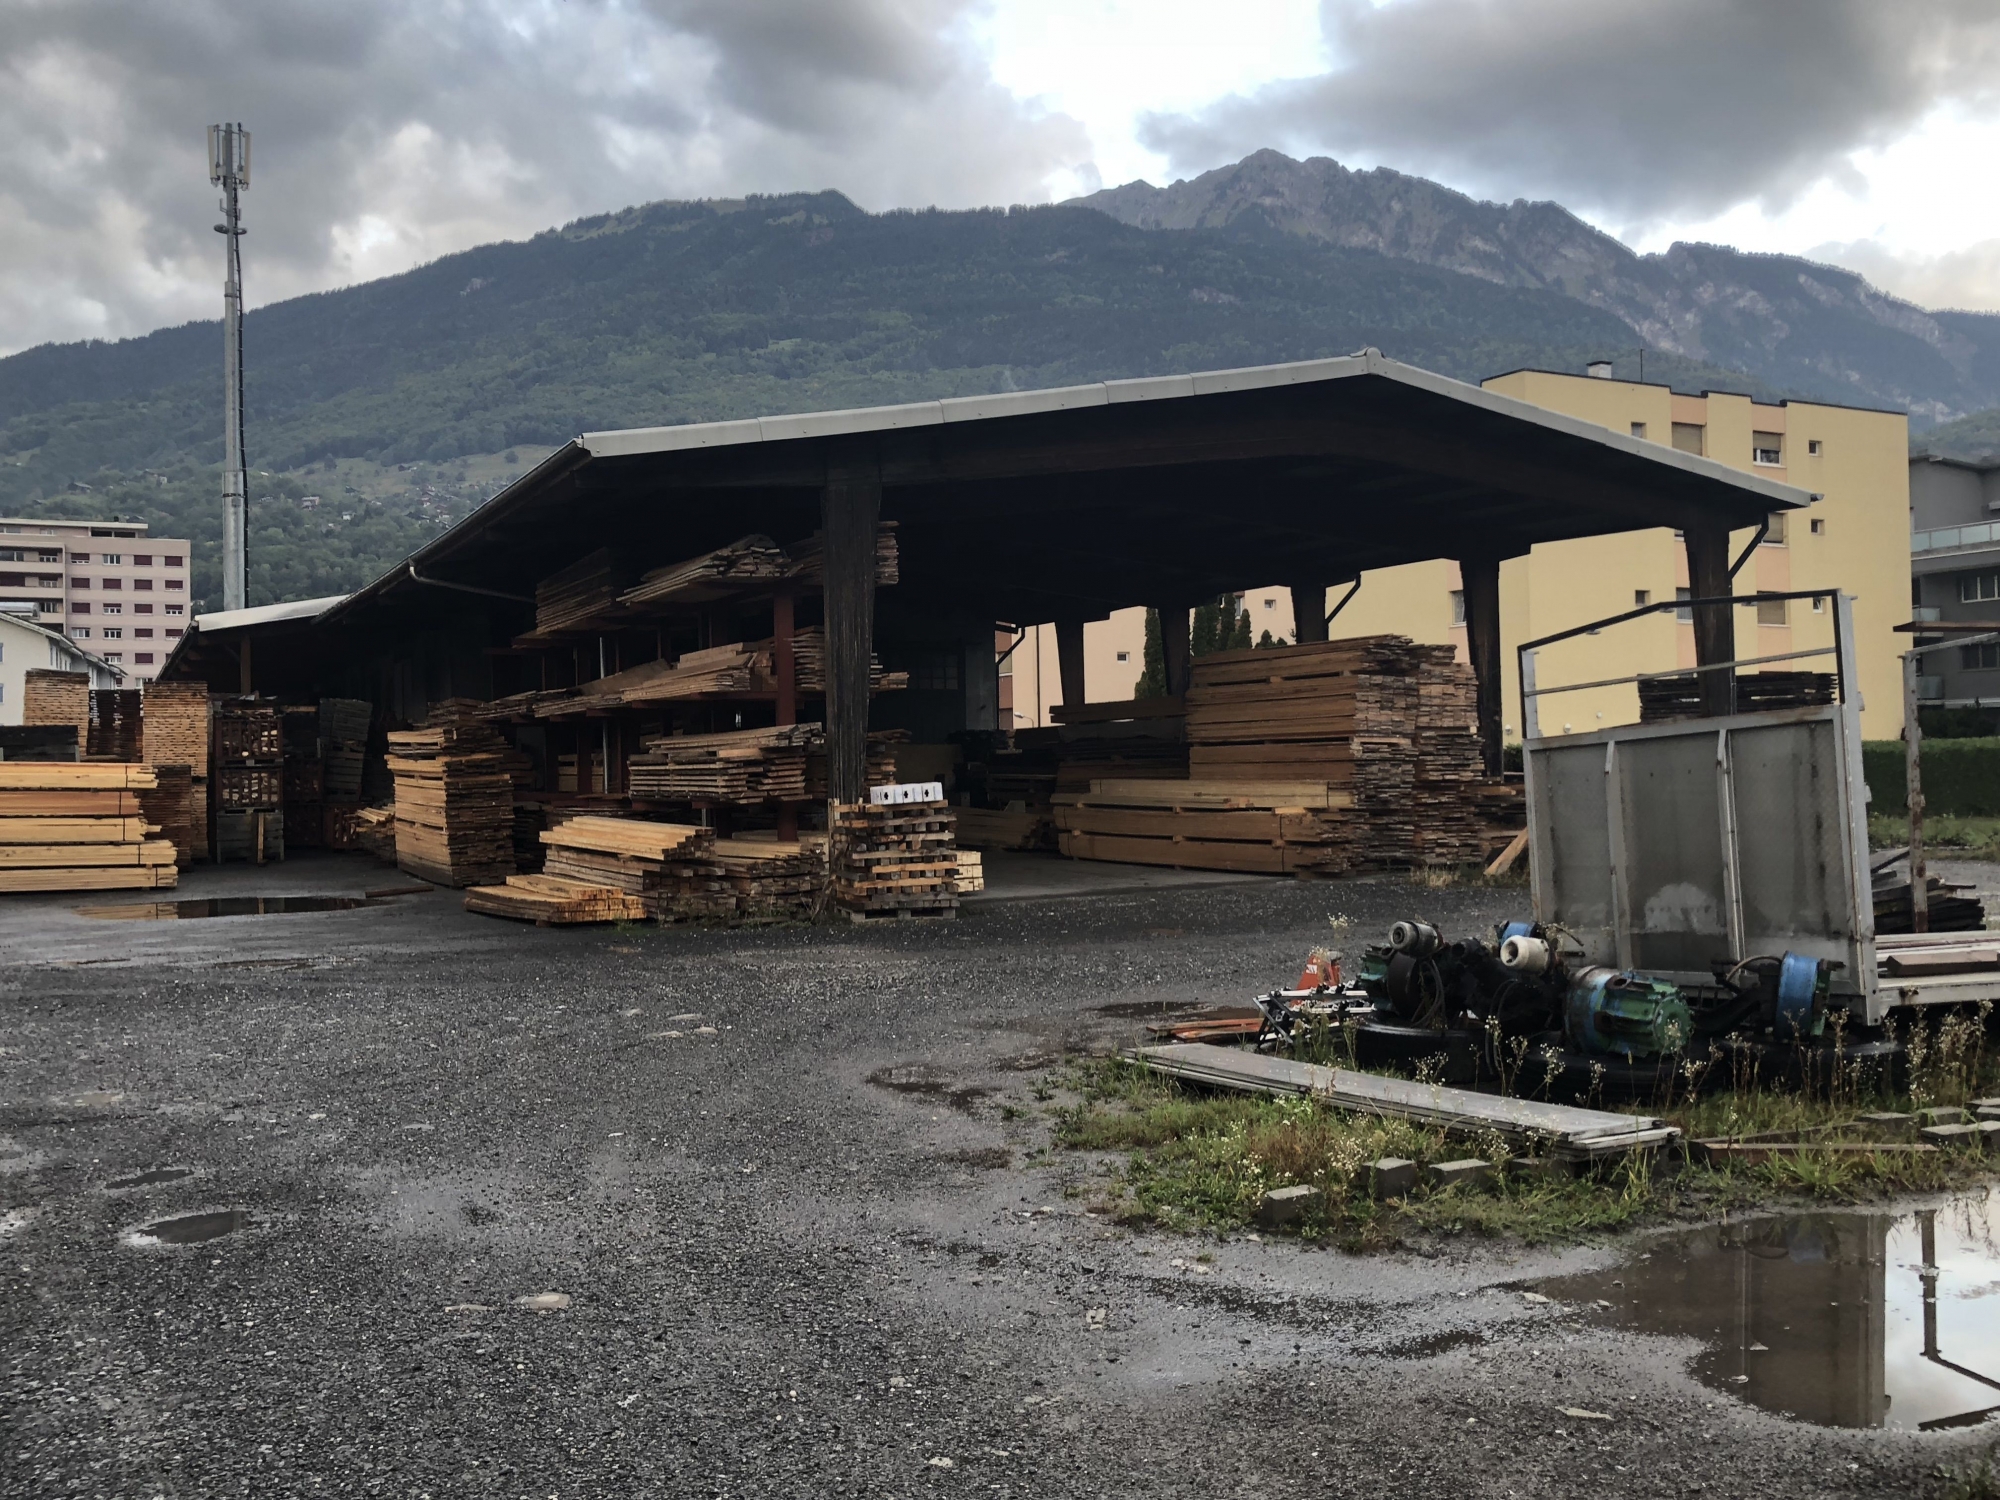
x: 1631, y: 108
x: 390, y: 131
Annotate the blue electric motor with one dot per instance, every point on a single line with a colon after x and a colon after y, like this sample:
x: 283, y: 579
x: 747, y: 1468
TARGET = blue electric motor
x: 1802, y: 989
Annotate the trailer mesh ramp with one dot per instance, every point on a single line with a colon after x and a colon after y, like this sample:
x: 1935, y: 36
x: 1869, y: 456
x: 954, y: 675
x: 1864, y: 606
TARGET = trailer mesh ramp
x: 1559, y: 1130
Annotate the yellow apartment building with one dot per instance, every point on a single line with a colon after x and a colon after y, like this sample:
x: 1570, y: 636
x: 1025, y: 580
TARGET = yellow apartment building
x: 1854, y: 536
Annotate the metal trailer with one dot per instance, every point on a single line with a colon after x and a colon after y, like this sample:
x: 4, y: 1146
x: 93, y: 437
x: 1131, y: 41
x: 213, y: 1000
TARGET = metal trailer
x: 1663, y: 847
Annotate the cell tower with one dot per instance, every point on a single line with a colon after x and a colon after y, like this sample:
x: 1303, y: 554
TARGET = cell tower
x: 229, y: 169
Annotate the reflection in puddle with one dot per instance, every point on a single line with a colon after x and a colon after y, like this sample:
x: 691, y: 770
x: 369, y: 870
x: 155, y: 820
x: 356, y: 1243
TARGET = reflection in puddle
x: 193, y: 1229
x: 148, y: 1179
x: 225, y: 906
x: 929, y: 1082
x: 1844, y: 1319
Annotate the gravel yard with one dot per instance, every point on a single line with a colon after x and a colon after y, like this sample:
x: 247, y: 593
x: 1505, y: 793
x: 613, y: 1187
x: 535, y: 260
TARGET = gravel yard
x: 788, y: 1189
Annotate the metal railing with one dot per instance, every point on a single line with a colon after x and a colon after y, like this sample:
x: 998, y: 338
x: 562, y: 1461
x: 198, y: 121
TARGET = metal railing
x: 1939, y: 538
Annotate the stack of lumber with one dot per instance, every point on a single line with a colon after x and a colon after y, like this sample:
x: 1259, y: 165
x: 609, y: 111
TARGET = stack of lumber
x: 1450, y: 769
x: 38, y: 742
x: 737, y: 668
x: 809, y: 665
x: 745, y: 880
x: 343, y: 744
x: 454, y: 798
x: 984, y: 828
x: 809, y: 557
x: 169, y: 805
x: 1949, y: 908
x: 49, y: 697
x: 971, y: 871
x: 879, y: 769
x: 177, y: 732
x: 896, y: 860
x: 741, y: 768
x: 79, y: 826
x: 548, y: 901
x: 114, y: 725
x: 370, y: 829
x: 1269, y: 828
x: 625, y: 854
x: 725, y: 573
x: 525, y: 705
x: 1678, y: 695
x: 581, y: 594
x: 531, y: 820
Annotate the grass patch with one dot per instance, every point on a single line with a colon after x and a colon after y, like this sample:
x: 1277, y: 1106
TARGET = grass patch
x: 1196, y: 1160
x: 1963, y: 837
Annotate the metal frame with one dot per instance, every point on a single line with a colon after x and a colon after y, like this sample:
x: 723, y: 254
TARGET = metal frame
x: 1852, y: 941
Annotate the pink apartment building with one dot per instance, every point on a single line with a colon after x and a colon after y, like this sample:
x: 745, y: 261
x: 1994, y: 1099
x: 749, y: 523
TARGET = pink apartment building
x: 117, y: 591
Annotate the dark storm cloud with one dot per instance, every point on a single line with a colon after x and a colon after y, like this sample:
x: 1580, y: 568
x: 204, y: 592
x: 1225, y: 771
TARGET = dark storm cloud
x: 390, y: 131
x: 1634, y: 107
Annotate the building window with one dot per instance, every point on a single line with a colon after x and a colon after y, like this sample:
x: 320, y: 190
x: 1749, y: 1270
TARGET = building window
x: 48, y: 580
x: 80, y: 632
x: 173, y: 634
x: 1124, y: 655
x: 1819, y: 606
x: 116, y: 658
x: 172, y: 562
x: 78, y: 557
x: 173, y: 583
x: 142, y: 583
x: 48, y: 557
x: 934, y: 671
x: 1767, y: 447
x: 142, y: 609
x: 1973, y: 587
x: 1642, y: 597
x: 144, y: 631
x: 1984, y: 658
x: 12, y: 554
x: 1771, y: 611
x: 1774, y: 535
x: 1817, y: 526
x: 1458, y: 606
x: 81, y: 607
x: 176, y: 609
x: 1684, y: 612
x: 1688, y: 437
x: 111, y: 559
x: 142, y: 559
x: 79, y: 583
x: 111, y: 583
x: 1813, y: 447
x: 114, y: 632
x: 1270, y: 604
x: 113, y: 609
x: 144, y: 658
x: 1638, y: 429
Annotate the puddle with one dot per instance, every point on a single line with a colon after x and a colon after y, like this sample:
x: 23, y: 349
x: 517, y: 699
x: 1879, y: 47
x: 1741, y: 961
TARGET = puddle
x: 1434, y: 1345
x: 1841, y: 1319
x: 149, y: 1178
x: 194, y: 1229
x: 929, y: 1082
x: 226, y: 906
x: 983, y: 1158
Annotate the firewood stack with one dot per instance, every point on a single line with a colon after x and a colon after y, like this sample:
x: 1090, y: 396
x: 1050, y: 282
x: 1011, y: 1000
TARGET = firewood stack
x: 454, y: 798
x: 894, y: 860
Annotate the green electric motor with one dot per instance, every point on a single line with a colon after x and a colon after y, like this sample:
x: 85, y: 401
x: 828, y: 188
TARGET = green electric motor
x: 1626, y: 1013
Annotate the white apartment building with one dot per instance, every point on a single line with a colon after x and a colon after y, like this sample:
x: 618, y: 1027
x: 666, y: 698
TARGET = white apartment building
x: 26, y: 647
x: 117, y: 591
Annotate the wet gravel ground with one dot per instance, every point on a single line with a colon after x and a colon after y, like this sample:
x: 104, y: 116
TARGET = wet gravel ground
x: 782, y: 1183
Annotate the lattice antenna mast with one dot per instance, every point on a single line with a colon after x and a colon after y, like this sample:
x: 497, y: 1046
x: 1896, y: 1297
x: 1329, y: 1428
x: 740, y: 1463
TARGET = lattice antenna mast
x: 229, y: 169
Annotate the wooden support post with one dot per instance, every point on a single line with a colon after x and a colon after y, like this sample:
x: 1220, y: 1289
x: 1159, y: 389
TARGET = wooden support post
x: 1069, y: 660
x: 1715, y: 625
x: 784, y: 663
x: 1479, y: 577
x: 852, y: 509
x: 1174, y: 648
x: 243, y: 668
x: 1913, y: 773
x: 1308, y: 612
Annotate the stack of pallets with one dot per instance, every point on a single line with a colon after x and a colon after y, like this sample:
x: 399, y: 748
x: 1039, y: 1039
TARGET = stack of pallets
x: 176, y: 732
x: 249, y: 769
x: 343, y: 744
x: 894, y: 860
x: 743, y: 768
x: 454, y: 798
x: 79, y: 826
x: 1270, y: 828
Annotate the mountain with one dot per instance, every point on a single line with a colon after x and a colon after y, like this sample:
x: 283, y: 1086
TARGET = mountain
x: 1810, y: 329
x: 1976, y: 437
x: 380, y: 412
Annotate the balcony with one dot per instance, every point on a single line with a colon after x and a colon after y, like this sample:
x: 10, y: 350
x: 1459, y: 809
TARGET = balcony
x: 1954, y: 538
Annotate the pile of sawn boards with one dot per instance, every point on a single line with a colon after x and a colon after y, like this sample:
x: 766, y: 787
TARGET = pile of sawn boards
x: 1268, y: 828
x: 894, y: 860
x: 78, y: 826
x: 454, y: 798
x: 742, y: 768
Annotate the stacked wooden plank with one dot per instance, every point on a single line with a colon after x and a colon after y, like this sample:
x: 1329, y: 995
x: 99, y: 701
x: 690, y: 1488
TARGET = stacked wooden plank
x: 114, y: 725
x: 894, y: 860
x: 343, y: 744
x: 50, y: 697
x: 1678, y: 696
x: 742, y: 768
x: 744, y: 881
x: 880, y: 768
x: 454, y: 798
x: 549, y: 901
x: 79, y: 826
x: 984, y: 828
x: 1449, y: 770
x: 809, y: 665
x: 582, y: 594
x: 809, y: 557
x: 971, y: 871
x: 1270, y: 828
x: 736, y: 668
x: 169, y: 805
x: 725, y: 573
x: 626, y: 854
x: 369, y: 829
x: 177, y: 732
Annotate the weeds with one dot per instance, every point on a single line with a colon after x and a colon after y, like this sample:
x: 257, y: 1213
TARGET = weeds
x: 1979, y: 1481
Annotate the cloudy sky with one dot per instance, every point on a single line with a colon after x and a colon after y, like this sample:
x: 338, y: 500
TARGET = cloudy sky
x: 388, y: 132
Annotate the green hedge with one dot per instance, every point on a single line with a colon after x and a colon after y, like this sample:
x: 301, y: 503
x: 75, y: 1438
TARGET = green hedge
x: 1961, y: 777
